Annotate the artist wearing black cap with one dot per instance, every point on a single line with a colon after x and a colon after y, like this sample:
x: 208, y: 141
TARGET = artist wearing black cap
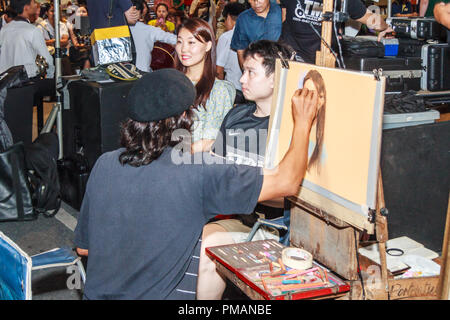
x: 143, y: 211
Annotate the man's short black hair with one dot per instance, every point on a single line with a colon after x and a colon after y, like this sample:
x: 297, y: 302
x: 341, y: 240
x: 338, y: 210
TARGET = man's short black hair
x: 269, y: 51
x: 10, y: 13
x: 233, y: 9
x: 17, y: 5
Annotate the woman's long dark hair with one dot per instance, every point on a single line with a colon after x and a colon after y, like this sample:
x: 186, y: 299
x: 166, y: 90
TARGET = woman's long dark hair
x: 146, y: 141
x: 203, y: 32
x: 317, y: 79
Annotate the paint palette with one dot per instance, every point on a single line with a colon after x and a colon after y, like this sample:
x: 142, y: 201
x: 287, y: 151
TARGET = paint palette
x: 249, y: 254
x: 259, y: 265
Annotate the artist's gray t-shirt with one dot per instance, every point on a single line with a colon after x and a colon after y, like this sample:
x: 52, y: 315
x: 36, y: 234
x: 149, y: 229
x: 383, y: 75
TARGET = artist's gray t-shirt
x: 141, y: 224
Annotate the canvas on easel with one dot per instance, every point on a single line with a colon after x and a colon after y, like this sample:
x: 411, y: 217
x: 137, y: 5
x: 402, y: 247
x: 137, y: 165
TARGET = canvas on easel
x: 345, y: 140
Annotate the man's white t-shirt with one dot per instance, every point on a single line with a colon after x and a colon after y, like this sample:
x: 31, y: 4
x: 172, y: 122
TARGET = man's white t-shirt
x: 20, y: 42
x: 144, y: 37
x: 228, y: 59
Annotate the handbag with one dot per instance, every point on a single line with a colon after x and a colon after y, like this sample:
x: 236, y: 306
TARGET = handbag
x: 15, y: 197
x: 112, y: 44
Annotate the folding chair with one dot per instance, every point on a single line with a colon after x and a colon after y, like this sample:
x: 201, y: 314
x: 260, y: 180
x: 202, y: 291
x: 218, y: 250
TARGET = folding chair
x: 16, y: 267
x: 280, y: 223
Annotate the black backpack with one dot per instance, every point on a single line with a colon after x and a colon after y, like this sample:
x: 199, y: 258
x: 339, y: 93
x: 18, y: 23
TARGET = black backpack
x: 41, y: 163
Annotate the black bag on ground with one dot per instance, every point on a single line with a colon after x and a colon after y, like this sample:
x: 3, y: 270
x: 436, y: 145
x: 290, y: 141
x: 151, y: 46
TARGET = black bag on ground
x: 41, y: 159
x: 73, y: 175
x: 15, y: 197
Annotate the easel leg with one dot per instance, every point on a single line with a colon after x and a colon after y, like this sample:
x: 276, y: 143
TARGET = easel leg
x: 444, y: 278
x: 382, y: 235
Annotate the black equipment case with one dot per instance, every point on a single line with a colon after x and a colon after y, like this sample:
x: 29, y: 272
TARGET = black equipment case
x: 436, y: 67
x: 415, y: 28
x: 361, y: 47
x: 401, y: 73
x: 410, y: 47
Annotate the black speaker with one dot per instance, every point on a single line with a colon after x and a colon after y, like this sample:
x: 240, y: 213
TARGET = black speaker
x: 416, y: 180
x: 19, y: 113
x: 92, y: 124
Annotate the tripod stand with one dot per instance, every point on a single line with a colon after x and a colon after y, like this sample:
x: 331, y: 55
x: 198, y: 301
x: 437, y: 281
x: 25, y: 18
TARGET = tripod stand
x: 56, y: 113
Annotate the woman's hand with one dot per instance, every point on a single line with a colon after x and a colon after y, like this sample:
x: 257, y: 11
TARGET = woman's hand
x: 202, y: 146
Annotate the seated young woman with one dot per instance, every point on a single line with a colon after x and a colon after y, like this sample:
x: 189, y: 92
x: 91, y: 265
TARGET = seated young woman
x: 196, y: 58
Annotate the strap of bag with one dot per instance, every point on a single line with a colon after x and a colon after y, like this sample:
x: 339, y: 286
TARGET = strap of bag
x: 16, y: 185
x: 133, y: 47
x: 110, y: 13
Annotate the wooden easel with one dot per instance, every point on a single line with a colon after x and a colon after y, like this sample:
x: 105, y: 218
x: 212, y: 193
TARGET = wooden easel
x: 324, y: 57
x: 429, y: 287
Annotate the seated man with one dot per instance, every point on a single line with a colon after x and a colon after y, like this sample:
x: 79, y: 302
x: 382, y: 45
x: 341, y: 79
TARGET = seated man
x: 143, y: 211
x: 242, y: 139
x: 21, y: 42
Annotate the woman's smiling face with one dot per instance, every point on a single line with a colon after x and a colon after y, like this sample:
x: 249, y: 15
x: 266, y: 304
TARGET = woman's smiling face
x: 190, y: 50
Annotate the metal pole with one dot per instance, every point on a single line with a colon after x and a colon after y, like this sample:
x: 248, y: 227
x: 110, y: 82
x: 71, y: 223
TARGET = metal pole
x: 58, y: 74
x: 389, y: 8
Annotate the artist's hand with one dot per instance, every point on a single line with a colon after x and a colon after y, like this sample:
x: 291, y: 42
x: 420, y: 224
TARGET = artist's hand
x: 304, y: 106
x: 383, y: 33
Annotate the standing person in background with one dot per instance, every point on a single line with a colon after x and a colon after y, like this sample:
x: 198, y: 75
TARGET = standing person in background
x: 220, y: 25
x: 151, y: 9
x: 442, y: 15
x: 169, y: 3
x: 178, y: 5
x: 144, y: 37
x: 261, y: 22
x: 196, y: 58
x: 49, y: 34
x: 300, y: 17
x: 80, y: 49
x: 48, y: 31
x: 123, y: 13
x: 402, y: 8
x: 145, y: 15
x: 204, y: 9
x: 227, y: 61
x: 162, y: 11
x: 426, y: 7
x: 9, y: 14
